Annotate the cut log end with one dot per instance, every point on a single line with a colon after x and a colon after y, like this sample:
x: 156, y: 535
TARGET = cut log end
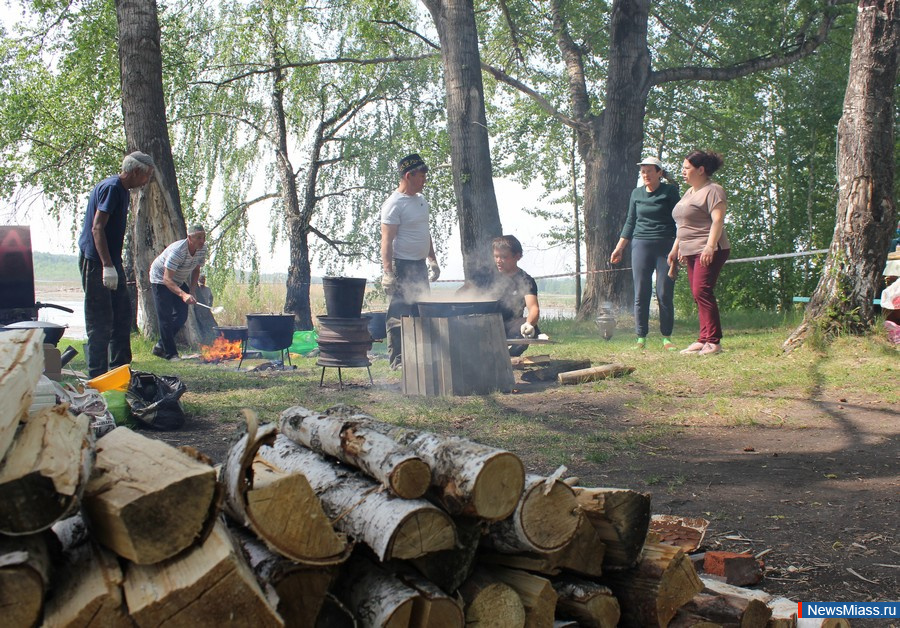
x: 421, y: 533
x: 21, y: 595
x: 287, y: 514
x: 550, y: 521
x: 498, y: 487
x: 410, y: 479
x: 496, y: 605
x: 158, y: 539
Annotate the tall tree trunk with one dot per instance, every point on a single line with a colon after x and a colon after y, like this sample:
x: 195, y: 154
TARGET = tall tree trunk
x: 297, y: 298
x: 608, y: 182
x: 473, y: 183
x: 158, y: 220
x: 865, y: 158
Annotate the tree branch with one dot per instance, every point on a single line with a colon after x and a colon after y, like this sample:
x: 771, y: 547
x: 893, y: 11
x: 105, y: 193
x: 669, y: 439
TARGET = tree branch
x: 503, y: 77
x: 335, y: 244
x: 802, y: 46
x: 240, y: 209
x: 513, y: 32
x: 315, y: 62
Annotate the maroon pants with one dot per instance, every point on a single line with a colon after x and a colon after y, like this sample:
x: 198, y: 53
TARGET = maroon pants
x: 703, y: 280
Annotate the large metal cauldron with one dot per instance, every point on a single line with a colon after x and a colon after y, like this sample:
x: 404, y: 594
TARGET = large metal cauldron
x: 444, y: 309
x: 270, y: 332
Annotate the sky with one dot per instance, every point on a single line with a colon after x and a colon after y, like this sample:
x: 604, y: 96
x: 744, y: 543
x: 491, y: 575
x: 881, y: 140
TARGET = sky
x: 538, y: 259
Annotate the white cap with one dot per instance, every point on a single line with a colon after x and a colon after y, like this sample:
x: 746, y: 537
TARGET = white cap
x: 651, y: 161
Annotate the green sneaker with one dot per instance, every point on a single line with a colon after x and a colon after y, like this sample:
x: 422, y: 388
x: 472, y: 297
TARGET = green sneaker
x: 640, y: 345
x: 668, y: 345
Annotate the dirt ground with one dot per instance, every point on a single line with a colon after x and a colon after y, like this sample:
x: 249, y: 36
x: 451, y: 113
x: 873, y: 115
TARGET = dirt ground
x: 818, y: 503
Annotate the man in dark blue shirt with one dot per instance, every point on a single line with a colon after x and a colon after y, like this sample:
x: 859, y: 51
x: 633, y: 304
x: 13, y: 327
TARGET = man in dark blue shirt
x: 107, y: 307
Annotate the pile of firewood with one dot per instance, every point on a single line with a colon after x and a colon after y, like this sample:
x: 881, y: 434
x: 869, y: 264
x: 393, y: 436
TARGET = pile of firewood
x: 326, y: 519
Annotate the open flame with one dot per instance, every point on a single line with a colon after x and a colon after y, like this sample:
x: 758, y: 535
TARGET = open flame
x: 221, y: 350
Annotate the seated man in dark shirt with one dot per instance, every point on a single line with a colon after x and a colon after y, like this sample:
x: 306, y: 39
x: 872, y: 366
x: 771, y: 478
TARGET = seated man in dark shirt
x: 516, y: 292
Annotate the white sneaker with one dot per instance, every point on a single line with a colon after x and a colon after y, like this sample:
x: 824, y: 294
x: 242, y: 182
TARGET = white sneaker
x: 694, y: 348
x: 709, y: 348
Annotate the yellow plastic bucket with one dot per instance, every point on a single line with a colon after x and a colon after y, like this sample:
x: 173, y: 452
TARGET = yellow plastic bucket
x: 116, y: 379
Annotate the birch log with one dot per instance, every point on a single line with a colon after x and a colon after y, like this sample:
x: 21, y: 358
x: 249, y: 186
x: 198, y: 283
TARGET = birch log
x: 592, y: 605
x: 21, y: 365
x: 469, y: 478
x: 210, y: 585
x: 449, y: 568
x: 296, y: 591
x: 784, y: 613
x: 661, y: 583
x: 375, y: 597
x: 380, y: 457
x: 728, y: 609
x: 490, y: 603
x: 334, y: 614
x: 392, y: 527
x: 87, y: 583
x: 24, y: 577
x: 582, y: 555
x: 433, y: 608
x: 593, y: 373
x: 45, y: 471
x: 536, y: 593
x: 147, y: 501
x: 545, y: 519
x: 279, y: 507
x: 621, y: 517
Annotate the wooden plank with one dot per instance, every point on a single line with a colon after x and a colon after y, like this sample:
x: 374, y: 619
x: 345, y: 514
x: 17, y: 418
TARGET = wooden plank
x: 429, y: 331
x: 445, y: 376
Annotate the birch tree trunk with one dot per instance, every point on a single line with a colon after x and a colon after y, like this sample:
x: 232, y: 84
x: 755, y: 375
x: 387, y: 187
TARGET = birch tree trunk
x: 866, y: 210
x: 156, y: 208
x: 473, y: 183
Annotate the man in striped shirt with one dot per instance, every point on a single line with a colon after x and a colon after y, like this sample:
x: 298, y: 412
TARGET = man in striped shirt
x: 173, y: 279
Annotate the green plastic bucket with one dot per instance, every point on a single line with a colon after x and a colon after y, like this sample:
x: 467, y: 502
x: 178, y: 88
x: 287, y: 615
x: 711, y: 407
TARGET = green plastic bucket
x: 118, y: 407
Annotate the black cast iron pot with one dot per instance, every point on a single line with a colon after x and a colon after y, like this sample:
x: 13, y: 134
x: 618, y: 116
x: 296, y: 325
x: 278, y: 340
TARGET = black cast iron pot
x: 53, y: 332
x: 231, y: 333
x: 270, y: 332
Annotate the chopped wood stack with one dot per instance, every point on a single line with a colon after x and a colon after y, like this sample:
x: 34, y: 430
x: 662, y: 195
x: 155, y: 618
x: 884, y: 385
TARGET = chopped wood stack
x: 315, y: 532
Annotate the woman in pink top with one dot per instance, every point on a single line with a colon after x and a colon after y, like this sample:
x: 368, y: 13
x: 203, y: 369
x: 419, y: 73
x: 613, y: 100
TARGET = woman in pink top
x: 701, y: 244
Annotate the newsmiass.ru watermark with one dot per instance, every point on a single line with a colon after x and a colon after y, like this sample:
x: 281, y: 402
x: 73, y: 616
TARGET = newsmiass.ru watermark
x: 849, y: 610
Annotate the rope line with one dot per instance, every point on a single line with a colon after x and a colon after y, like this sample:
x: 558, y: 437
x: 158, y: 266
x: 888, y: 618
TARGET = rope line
x: 616, y: 270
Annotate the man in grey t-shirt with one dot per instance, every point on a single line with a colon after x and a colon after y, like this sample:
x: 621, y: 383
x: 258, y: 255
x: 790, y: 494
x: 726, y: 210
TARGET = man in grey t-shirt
x: 173, y: 280
x: 407, y: 252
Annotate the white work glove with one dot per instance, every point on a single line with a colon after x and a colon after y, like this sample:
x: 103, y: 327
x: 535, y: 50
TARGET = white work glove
x: 110, y: 278
x: 389, y: 283
x: 434, y: 271
x: 527, y: 330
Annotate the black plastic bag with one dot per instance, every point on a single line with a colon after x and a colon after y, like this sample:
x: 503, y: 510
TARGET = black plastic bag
x: 154, y: 400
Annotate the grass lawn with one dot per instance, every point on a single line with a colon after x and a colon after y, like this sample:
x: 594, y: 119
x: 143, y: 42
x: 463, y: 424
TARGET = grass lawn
x: 752, y: 383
